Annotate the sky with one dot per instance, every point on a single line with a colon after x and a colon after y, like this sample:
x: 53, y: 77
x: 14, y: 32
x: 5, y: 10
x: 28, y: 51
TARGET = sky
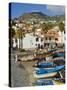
x: 18, y: 9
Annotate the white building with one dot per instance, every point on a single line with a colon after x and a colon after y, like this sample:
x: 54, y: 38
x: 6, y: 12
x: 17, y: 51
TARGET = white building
x: 31, y: 42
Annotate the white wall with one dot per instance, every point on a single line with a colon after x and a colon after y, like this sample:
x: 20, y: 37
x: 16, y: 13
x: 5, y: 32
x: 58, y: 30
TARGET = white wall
x: 63, y: 37
x: 29, y: 41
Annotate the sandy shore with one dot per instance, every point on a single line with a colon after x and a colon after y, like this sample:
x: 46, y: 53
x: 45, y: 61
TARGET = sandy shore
x: 29, y: 68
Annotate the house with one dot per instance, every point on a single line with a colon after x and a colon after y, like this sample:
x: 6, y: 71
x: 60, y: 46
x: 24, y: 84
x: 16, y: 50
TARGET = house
x: 53, y: 38
x: 31, y: 41
x: 37, y: 40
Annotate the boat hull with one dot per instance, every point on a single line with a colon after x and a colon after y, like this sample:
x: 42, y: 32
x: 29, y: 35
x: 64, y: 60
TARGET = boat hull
x: 36, y: 68
x: 44, y: 75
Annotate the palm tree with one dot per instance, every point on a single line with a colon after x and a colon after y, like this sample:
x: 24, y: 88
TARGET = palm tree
x: 33, y: 30
x: 62, y: 29
x: 20, y: 34
x: 12, y: 34
x: 44, y: 27
x: 61, y: 26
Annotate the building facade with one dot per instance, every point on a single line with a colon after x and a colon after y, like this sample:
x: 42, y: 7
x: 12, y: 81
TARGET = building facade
x: 52, y: 38
x: 31, y: 41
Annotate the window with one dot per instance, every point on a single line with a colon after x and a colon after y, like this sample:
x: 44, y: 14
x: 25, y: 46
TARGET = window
x: 48, y: 44
x: 56, y: 44
x: 41, y: 46
x: 56, y: 39
x: 46, y: 38
x: 37, y: 39
x: 50, y: 38
x: 35, y: 44
x: 41, y: 40
x: 38, y: 46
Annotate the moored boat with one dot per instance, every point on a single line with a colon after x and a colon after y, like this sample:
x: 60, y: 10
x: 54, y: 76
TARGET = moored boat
x: 44, y: 65
x: 52, y: 74
x: 41, y: 73
x: 43, y: 82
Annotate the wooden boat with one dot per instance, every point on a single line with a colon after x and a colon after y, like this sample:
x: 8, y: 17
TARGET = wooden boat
x: 41, y: 73
x: 58, y: 55
x: 47, y: 68
x: 57, y: 68
x: 57, y: 59
x: 61, y: 54
x: 52, y: 74
x: 43, y: 82
x: 45, y: 64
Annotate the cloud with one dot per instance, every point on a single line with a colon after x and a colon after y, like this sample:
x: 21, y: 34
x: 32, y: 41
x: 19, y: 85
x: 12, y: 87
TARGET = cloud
x: 55, y: 9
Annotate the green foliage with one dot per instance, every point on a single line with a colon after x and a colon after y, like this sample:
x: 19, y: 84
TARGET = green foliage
x: 12, y: 32
x: 20, y: 33
x: 61, y: 26
x: 46, y: 26
x: 40, y: 15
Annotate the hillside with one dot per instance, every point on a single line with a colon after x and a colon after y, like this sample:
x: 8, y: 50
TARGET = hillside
x: 40, y: 15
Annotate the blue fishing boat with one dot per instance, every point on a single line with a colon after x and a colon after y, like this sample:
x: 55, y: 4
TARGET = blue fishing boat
x: 58, y: 54
x: 61, y: 54
x: 41, y: 73
x: 44, y: 82
x: 45, y: 64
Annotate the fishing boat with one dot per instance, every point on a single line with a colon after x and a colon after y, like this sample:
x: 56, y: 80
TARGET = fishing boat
x: 41, y: 73
x: 43, y: 82
x: 61, y: 54
x: 57, y: 59
x: 36, y: 68
x: 45, y: 64
x: 58, y: 54
x: 52, y: 74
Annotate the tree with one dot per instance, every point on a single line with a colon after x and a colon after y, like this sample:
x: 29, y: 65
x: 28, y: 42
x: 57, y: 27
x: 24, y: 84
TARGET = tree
x: 20, y: 34
x: 33, y: 30
x: 12, y: 34
x: 61, y: 26
x: 44, y: 27
x: 62, y: 29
